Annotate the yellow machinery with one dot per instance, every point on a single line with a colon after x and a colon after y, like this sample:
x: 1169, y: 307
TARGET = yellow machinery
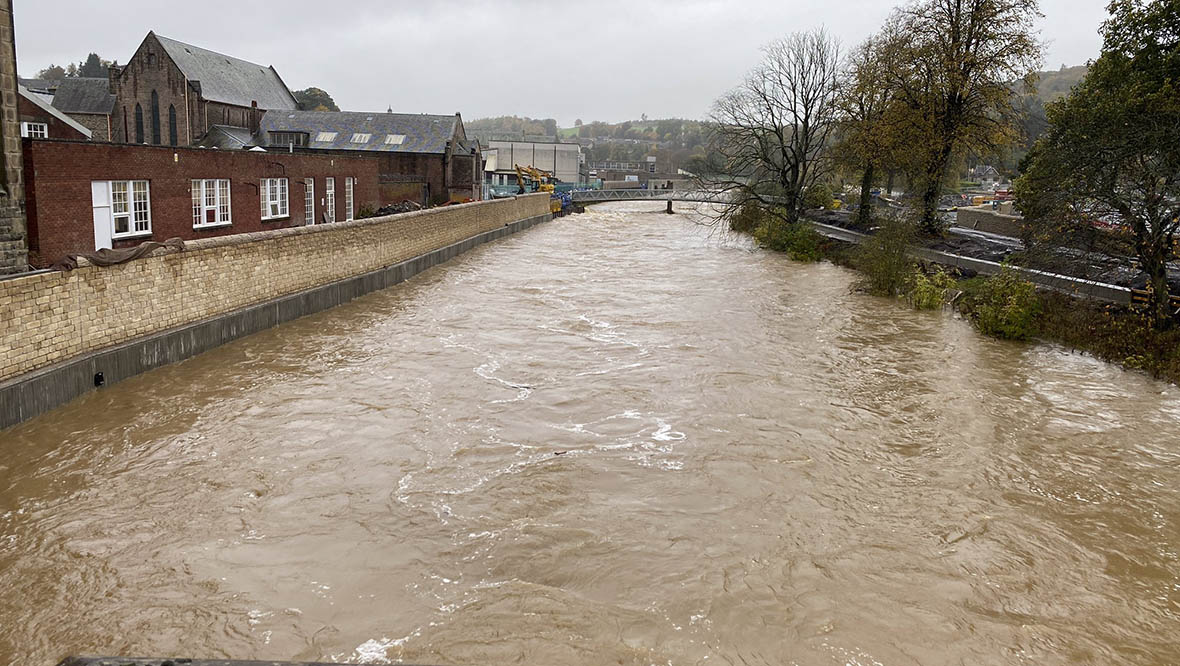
x: 542, y: 181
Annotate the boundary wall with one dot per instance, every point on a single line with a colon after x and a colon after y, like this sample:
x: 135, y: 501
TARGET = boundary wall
x: 63, y: 333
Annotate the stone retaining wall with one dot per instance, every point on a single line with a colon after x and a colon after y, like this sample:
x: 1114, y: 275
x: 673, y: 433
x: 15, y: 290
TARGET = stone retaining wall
x: 983, y: 218
x: 50, y: 318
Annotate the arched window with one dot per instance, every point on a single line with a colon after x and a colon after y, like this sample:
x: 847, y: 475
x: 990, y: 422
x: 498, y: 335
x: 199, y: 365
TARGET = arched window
x: 138, y: 124
x: 172, y: 138
x: 155, y: 119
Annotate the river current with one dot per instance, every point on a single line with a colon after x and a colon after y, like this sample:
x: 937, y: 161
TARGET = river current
x: 617, y: 438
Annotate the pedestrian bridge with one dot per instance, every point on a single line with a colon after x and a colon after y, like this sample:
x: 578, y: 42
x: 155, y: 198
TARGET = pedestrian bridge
x: 600, y: 196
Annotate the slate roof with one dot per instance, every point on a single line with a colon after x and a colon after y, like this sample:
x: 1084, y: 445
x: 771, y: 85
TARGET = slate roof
x: 227, y: 79
x: 82, y: 95
x: 39, y: 85
x: 226, y: 138
x: 423, y: 133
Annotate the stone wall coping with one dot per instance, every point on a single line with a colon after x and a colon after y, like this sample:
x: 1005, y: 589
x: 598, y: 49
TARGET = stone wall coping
x: 274, y: 234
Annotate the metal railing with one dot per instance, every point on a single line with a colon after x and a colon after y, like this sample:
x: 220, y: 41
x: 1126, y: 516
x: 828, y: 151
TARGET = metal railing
x: 699, y: 196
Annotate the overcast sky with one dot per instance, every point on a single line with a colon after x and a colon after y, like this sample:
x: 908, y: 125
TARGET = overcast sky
x: 608, y: 60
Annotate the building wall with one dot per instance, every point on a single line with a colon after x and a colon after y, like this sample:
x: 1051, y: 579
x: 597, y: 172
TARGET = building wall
x: 52, y: 317
x: 151, y: 69
x: 216, y: 113
x: 60, y: 176
x: 98, y: 124
x: 415, y: 177
x: 29, y: 112
x: 560, y: 159
x: 13, y: 248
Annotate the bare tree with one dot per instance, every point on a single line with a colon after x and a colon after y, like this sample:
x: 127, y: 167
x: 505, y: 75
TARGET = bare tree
x: 771, y: 132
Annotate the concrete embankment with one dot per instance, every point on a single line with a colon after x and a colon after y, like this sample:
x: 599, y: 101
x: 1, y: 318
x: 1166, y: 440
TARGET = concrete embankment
x: 63, y: 333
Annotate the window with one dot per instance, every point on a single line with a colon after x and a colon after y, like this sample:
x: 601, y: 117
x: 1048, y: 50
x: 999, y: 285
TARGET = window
x: 210, y: 203
x: 273, y: 193
x: 325, y: 137
x: 155, y: 119
x: 348, y: 210
x: 173, y: 139
x: 289, y: 138
x: 131, y: 213
x: 330, y: 197
x: 361, y: 138
x: 395, y: 139
x: 309, y: 201
x: 138, y: 124
x: 34, y: 130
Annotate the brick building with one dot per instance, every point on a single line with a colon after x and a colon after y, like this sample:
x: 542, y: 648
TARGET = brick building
x: 171, y: 93
x: 88, y: 102
x: 424, y: 158
x: 85, y: 195
x: 39, y: 120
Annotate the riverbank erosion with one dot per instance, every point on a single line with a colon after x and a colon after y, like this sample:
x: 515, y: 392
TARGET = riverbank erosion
x: 64, y: 333
x: 612, y: 439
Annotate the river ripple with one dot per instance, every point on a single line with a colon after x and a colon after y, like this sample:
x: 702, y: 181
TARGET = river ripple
x: 615, y: 438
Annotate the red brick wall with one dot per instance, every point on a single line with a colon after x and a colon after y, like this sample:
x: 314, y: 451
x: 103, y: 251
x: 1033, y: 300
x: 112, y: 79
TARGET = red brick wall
x: 59, y: 175
x: 31, y: 113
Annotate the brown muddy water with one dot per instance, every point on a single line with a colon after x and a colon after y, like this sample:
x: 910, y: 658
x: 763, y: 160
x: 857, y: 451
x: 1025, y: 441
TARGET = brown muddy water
x: 613, y: 439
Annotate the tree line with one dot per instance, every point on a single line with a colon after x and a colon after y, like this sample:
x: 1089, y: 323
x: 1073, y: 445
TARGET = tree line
x: 93, y: 66
x: 944, y: 81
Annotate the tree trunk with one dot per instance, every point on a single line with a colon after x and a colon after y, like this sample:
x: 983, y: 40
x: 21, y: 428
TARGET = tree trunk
x: 1153, y: 259
x: 864, y: 216
x: 889, y: 184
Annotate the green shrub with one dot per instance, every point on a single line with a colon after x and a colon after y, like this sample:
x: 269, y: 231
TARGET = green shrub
x: 798, y: 239
x: 884, y: 258
x: 928, y: 291
x: 747, y: 218
x: 366, y: 210
x: 818, y: 195
x: 1005, y: 306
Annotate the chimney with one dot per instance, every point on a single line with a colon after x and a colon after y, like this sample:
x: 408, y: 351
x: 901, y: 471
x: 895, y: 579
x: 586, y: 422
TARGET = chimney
x: 255, y: 117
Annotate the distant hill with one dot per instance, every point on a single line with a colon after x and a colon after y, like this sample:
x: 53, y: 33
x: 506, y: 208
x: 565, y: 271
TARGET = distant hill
x: 512, y: 125
x: 1054, y: 85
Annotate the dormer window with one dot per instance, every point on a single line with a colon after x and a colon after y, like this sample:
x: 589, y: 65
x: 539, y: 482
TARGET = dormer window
x: 361, y: 138
x: 298, y: 139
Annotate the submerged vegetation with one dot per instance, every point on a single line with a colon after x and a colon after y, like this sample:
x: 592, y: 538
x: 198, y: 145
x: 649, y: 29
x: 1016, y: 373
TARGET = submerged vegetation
x: 1003, y: 306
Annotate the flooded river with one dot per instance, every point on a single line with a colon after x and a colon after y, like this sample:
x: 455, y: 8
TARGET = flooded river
x: 612, y: 439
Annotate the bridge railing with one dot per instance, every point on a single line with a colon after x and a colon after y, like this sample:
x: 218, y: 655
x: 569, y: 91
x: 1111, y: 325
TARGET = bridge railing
x: 598, y: 196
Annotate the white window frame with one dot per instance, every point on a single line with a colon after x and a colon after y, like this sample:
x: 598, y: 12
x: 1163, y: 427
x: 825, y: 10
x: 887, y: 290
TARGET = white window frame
x: 349, y: 209
x: 330, y: 197
x: 211, y: 195
x: 34, y: 130
x: 274, y: 198
x: 325, y: 137
x: 395, y: 139
x: 309, y: 201
x: 361, y: 137
x: 130, y: 205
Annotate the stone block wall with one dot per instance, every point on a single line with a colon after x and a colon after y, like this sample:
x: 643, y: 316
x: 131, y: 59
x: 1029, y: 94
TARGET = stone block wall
x: 48, y: 318
x: 13, y: 239
x: 983, y: 218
